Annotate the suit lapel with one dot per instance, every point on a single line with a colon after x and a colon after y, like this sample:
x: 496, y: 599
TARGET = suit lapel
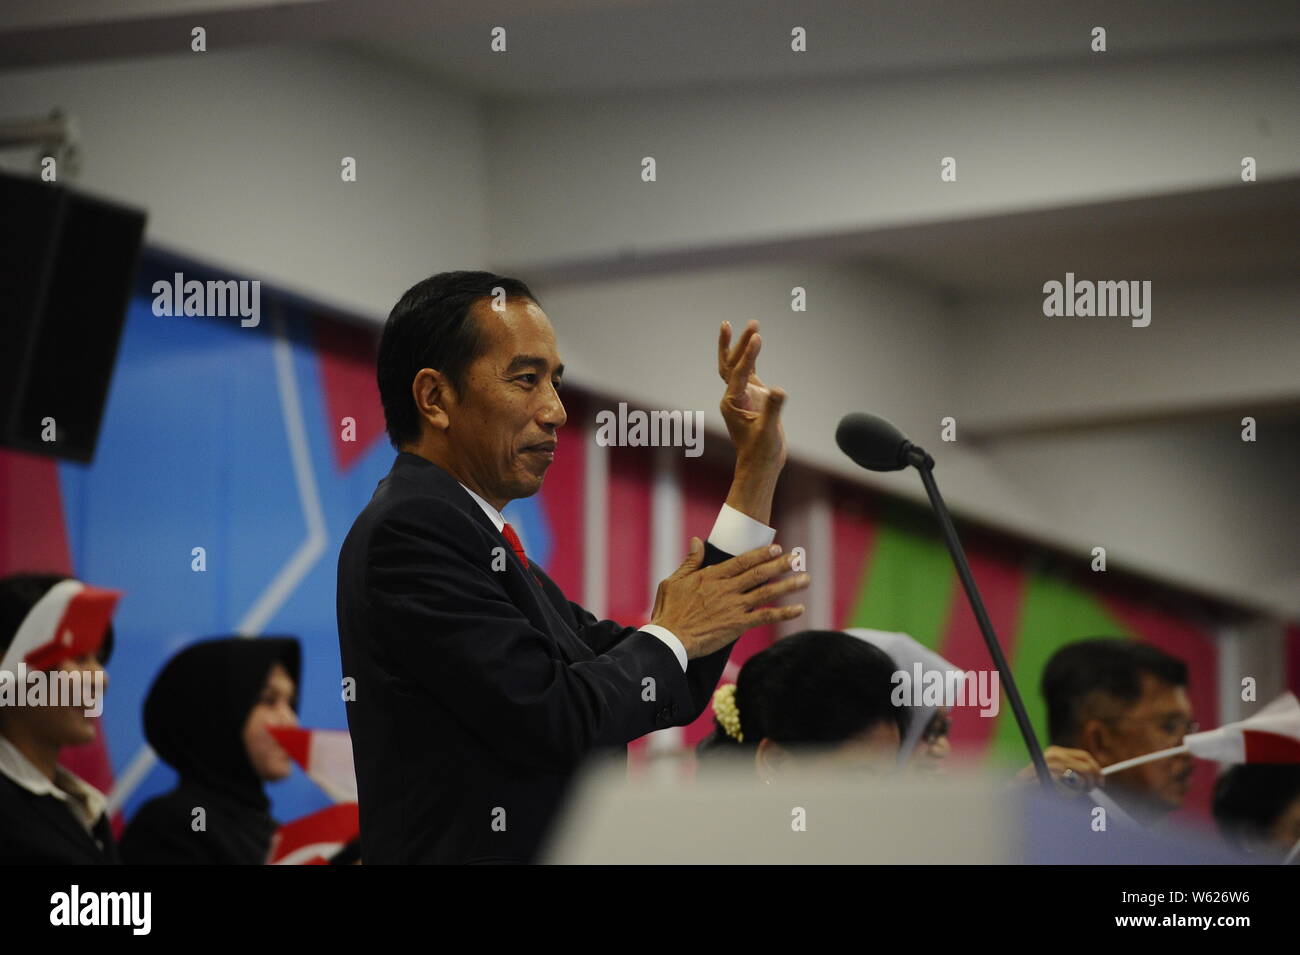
x: 527, y: 593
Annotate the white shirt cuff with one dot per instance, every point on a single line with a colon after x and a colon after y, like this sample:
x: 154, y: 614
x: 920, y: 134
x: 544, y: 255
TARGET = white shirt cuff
x: 670, y: 640
x: 736, y: 532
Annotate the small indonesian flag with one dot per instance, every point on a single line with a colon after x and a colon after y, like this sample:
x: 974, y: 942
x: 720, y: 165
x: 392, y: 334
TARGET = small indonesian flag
x: 325, y: 756
x: 69, y: 621
x: 312, y: 839
x: 1270, y: 736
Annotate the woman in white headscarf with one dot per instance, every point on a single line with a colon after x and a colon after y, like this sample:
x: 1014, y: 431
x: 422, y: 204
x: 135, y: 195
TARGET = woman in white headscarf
x: 925, y: 746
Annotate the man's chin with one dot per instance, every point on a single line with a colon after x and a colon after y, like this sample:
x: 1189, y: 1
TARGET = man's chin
x: 1177, y: 795
x: 80, y: 733
x: 528, y: 487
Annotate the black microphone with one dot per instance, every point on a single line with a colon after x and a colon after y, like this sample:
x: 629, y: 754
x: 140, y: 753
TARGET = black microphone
x: 875, y: 444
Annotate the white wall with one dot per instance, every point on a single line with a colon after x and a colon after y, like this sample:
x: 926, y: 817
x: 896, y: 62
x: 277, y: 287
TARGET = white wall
x: 1191, y: 503
x: 803, y: 160
x: 1207, y: 345
x: 236, y: 156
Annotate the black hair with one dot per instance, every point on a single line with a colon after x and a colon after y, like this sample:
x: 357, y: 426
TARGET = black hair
x: 813, y: 688
x: 1108, y: 665
x: 1249, y: 800
x: 19, y: 593
x: 432, y: 326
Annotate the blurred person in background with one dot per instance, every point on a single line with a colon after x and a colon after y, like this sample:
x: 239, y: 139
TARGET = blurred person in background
x: 1115, y: 699
x: 49, y: 816
x: 814, y: 699
x: 926, y: 747
x: 1257, y: 809
x: 206, y: 716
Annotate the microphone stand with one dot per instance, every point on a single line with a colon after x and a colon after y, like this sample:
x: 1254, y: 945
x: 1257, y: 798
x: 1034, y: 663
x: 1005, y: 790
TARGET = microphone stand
x: 918, y: 458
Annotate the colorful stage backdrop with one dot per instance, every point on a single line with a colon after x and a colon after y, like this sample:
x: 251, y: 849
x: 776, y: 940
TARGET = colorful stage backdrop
x: 260, y: 445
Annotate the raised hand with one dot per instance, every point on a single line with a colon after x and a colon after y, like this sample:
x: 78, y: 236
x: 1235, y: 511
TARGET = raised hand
x: 751, y: 409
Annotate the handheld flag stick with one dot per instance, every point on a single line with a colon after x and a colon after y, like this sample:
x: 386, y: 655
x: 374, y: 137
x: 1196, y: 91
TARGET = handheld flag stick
x: 1139, y: 760
x: 1270, y: 736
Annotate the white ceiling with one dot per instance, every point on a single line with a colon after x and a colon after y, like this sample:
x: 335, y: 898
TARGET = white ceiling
x: 1230, y: 235
x: 593, y: 46
x: 614, y: 45
x: 574, y: 48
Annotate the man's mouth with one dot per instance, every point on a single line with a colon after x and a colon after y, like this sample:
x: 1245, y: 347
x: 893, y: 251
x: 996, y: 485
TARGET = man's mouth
x: 546, y: 448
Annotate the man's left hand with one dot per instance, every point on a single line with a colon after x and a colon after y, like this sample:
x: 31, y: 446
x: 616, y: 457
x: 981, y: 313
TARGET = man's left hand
x: 750, y: 408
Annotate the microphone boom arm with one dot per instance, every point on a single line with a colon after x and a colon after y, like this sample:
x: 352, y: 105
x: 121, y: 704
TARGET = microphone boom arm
x: 918, y: 458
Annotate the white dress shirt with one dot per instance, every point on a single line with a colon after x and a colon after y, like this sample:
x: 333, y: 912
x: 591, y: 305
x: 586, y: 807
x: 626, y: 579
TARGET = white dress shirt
x: 732, y: 532
x: 84, y: 801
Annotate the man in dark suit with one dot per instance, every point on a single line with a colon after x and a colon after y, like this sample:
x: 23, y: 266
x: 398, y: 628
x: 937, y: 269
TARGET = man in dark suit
x: 478, y: 687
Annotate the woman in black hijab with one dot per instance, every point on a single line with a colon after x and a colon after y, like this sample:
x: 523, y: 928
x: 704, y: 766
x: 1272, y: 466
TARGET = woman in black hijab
x: 206, y: 716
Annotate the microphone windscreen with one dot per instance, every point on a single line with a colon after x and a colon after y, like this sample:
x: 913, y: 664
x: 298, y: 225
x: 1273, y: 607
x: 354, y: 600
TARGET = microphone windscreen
x: 872, y: 442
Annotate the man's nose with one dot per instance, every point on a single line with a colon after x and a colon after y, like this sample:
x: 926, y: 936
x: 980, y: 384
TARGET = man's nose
x: 553, y: 414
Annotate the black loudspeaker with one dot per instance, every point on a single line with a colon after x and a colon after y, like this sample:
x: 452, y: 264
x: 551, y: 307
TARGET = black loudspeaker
x: 67, y: 267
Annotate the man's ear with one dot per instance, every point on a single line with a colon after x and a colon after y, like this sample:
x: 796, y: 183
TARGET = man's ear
x: 1096, y: 737
x: 432, y: 393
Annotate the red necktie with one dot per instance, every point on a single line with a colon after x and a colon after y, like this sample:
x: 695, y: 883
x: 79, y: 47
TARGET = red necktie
x: 517, y: 546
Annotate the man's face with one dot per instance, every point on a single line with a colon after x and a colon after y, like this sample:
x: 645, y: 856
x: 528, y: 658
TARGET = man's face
x: 1159, y: 720
x: 68, y: 724
x: 509, y: 405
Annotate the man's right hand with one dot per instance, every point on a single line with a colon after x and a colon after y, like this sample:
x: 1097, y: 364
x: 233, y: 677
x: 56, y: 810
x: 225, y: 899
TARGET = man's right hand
x: 708, y: 609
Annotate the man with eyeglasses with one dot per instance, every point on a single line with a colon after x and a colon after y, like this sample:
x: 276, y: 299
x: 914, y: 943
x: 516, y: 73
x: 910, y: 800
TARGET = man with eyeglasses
x: 1117, y: 699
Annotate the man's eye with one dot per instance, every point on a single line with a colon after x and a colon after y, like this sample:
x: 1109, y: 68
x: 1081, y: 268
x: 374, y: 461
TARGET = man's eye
x: 532, y: 379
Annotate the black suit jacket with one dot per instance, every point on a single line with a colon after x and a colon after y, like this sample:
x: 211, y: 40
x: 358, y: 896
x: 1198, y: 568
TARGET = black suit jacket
x: 478, y: 691
x: 41, y: 830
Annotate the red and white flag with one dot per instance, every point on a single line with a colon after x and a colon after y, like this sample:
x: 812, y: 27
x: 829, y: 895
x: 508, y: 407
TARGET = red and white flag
x: 1270, y: 736
x: 324, y: 755
x: 314, y: 838
x: 70, y: 620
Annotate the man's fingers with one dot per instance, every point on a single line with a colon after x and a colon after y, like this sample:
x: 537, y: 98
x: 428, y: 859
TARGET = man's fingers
x: 1062, y: 760
x: 741, y: 371
x: 693, y: 558
x: 1087, y: 767
x: 762, y: 573
x: 767, y: 615
x: 775, y: 402
x: 729, y: 356
x: 777, y: 588
x: 743, y: 562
